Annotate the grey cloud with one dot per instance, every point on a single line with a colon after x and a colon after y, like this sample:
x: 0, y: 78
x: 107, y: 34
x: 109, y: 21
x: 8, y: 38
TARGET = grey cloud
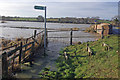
x: 62, y: 9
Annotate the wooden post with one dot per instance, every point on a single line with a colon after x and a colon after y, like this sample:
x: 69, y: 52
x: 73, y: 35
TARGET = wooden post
x: 102, y: 36
x: 4, y: 65
x: 14, y: 60
x: 96, y: 28
x: 33, y: 47
x: 71, y: 37
x: 35, y: 32
x: 20, y: 53
x: 32, y: 53
x: 26, y: 43
x: 89, y: 51
x: 65, y: 55
x: 13, y: 63
x: 87, y: 47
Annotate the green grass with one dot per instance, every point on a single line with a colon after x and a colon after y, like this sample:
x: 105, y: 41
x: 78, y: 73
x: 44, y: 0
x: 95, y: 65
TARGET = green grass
x: 26, y: 19
x: 57, y: 20
x: 33, y: 19
x: 102, y: 64
x: 104, y: 21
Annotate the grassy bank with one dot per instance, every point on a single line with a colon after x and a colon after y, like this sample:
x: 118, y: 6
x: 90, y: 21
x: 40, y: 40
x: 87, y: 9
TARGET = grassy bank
x: 102, y: 63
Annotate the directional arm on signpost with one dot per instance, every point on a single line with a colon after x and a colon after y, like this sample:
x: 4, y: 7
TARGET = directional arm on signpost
x: 39, y: 7
x: 43, y: 8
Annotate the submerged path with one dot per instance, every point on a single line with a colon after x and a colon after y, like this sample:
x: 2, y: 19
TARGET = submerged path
x: 40, y: 62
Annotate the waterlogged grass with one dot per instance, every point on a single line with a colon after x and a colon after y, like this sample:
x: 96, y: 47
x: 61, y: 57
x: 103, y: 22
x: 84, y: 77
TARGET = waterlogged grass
x: 102, y: 63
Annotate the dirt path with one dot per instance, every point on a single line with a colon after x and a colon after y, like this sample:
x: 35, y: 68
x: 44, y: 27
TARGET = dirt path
x: 40, y: 62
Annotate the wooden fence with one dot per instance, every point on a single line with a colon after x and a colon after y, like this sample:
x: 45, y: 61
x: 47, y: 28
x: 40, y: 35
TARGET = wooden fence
x: 25, y: 50
x: 71, y: 35
x: 19, y: 53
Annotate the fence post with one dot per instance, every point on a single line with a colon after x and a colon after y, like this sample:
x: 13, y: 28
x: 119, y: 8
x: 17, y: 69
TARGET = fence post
x: 65, y: 55
x: 71, y: 37
x: 26, y: 43
x: 35, y: 31
x: 33, y: 47
x: 87, y: 47
x: 96, y: 27
x: 20, y: 53
x: 4, y: 65
x: 14, y: 60
x: 32, y: 53
x: 102, y: 36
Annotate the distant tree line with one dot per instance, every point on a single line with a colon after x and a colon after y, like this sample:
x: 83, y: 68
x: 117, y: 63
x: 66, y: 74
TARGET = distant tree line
x: 88, y: 20
x: 8, y: 18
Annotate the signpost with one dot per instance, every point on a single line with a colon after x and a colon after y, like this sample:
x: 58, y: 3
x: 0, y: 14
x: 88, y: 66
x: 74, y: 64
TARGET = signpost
x: 39, y: 7
x: 43, y: 8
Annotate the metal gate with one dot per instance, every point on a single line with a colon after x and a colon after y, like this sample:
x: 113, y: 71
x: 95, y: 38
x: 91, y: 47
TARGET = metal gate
x: 70, y: 36
x: 58, y: 38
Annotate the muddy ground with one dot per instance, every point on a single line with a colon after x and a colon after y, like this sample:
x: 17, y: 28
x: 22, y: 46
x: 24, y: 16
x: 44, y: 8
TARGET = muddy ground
x: 41, y: 61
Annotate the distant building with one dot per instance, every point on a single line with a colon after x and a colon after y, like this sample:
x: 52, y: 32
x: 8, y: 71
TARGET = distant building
x: 106, y: 26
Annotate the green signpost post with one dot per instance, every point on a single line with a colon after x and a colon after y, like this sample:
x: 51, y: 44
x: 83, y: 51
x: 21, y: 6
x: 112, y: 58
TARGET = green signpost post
x: 43, y: 8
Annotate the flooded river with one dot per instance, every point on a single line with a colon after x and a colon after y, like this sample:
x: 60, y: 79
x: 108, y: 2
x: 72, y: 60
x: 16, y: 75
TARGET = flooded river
x: 54, y: 45
x: 7, y: 32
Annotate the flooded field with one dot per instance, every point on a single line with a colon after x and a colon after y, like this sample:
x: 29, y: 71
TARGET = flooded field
x: 7, y: 32
x: 54, y: 45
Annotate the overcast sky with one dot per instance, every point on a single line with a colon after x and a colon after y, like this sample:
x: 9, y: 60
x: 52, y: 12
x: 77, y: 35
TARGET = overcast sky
x: 106, y: 9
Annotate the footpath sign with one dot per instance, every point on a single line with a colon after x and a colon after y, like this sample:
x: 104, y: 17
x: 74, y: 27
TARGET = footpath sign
x: 43, y: 8
x: 39, y: 7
